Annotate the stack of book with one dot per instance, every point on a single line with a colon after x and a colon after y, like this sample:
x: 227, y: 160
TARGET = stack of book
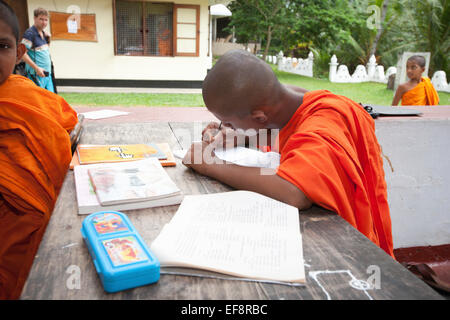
x: 107, y: 179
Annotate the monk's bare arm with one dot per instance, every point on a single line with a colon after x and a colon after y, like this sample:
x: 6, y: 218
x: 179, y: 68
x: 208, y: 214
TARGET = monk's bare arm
x: 398, y: 95
x: 249, y: 178
x: 295, y: 88
x: 252, y: 179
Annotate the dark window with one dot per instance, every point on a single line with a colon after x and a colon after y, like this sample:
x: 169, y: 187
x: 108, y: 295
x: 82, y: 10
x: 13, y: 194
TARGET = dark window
x: 143, y: 28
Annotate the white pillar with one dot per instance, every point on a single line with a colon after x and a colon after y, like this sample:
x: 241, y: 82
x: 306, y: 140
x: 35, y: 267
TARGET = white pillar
x: 333, y: 68
x: 439, y: 81
x: 310, y: 64
x: 280, y: 60
x: 371, y: 65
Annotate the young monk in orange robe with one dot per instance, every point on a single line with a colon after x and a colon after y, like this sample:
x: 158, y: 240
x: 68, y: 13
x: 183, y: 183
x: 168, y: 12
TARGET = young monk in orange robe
x: 330, y: 155
x: 164, y: 40
x: 418, y: 91
x: 35, y: 153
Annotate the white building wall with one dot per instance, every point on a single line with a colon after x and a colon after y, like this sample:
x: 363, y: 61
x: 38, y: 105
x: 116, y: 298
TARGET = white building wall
x: 96, y: 60
x: 417, y: 170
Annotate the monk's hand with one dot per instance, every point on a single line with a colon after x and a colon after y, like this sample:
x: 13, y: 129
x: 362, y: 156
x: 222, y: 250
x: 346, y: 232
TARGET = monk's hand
x: 210, y: 131
x: 199, y: 156
x: 221, y: 136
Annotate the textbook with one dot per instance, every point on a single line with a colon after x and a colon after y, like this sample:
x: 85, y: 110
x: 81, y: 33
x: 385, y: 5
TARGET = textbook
x: 167, y: 161
x: 88, y: 154
x: 131, y: 181
x: 89, y: 203
x: 238, y: 234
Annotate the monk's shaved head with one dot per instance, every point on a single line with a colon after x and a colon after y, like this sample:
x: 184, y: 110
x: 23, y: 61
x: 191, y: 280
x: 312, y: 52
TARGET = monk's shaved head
x: 420, y: 60
x: 9, y: 17
x: 239, y: 83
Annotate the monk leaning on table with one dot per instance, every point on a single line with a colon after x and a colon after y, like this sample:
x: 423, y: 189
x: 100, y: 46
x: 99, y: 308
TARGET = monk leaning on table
x: 35, y: 153
x: 330, y: 155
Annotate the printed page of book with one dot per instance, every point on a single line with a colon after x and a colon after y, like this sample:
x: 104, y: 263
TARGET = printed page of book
x: 88, y: 202
x: 139, y: 180
x: 239, y: 233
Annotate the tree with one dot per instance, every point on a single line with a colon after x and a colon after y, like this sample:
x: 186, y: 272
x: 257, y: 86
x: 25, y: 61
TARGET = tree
x: 341, y: 27
x: 420, y: 25
x: 431, y: 18
x: 273, y: 14
x: 258, y: 19
x: 246, y: 22
x: 325, y: 24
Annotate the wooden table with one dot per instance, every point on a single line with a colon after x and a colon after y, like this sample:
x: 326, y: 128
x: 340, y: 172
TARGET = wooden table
x: 339, y: 261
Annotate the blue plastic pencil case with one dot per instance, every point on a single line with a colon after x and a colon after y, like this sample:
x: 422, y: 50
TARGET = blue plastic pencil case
x: 121, y: 257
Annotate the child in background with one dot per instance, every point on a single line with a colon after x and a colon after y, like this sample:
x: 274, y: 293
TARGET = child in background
x: 418, y: 91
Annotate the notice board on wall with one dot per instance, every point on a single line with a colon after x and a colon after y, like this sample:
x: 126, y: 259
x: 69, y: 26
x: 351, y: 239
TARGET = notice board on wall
x: 77, y: 27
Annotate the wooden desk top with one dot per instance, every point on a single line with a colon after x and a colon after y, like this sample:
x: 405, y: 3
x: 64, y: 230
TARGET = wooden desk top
x: 339, y: 261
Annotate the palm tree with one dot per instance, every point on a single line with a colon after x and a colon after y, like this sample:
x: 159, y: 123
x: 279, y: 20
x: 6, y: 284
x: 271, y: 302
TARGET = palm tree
x: 432, y: 31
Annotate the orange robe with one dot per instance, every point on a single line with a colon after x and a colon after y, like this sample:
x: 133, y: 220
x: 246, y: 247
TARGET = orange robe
x: 35, y: 154
x: 164, y: 43
x: 329, y: 151
x: 424, y: 94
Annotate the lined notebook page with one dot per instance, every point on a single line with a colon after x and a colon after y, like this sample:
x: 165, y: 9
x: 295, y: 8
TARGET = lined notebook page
x: 240, y: 233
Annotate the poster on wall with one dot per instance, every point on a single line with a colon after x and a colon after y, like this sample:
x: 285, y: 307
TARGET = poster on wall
x: 76, y: 27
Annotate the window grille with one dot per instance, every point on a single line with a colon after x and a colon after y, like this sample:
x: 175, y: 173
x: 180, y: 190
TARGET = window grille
x: 144, y: 28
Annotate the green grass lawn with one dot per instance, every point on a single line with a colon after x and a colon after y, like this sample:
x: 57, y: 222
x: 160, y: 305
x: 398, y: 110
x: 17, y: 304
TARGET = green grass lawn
x: 134, y: 99
x: 366, y: 92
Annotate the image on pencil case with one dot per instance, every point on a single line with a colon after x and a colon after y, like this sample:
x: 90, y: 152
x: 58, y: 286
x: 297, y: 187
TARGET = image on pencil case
x: 108, y: 223
x: 124, y: 250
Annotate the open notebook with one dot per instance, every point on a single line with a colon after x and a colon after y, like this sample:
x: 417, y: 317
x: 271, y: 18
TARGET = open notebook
x: 243, y: 157
x: 238, y: 235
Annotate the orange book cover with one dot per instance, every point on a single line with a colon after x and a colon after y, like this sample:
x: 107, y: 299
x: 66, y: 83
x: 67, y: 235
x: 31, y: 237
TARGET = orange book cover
x: 88, y: 154
x: 169, y: 161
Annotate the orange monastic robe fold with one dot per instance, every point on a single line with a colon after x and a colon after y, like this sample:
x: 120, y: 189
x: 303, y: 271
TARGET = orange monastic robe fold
x: 35, y: 154
x: 329, y: 150
x: 424, y: 94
